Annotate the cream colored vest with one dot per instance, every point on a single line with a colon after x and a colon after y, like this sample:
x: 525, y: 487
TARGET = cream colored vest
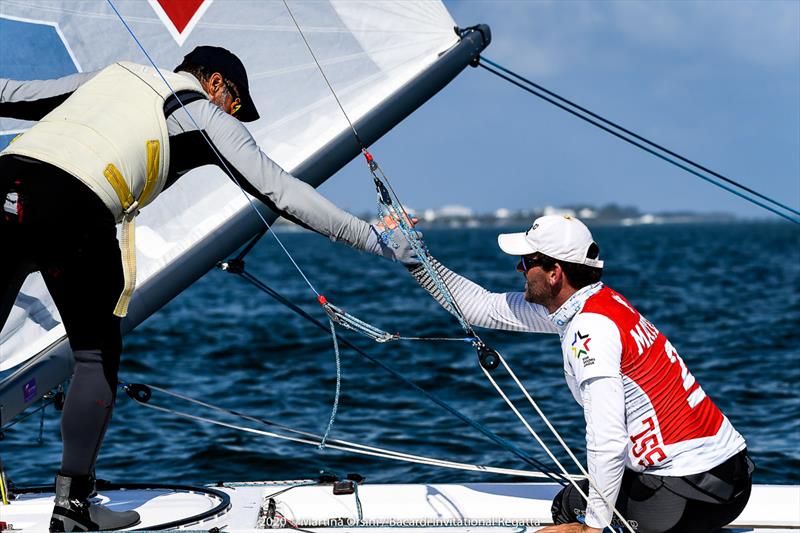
x: 112, y: 135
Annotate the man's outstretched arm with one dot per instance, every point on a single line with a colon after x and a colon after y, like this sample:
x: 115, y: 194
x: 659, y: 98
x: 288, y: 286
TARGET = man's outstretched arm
x: 33, y: 99
x: 507, y: 310
x: 261, y: 177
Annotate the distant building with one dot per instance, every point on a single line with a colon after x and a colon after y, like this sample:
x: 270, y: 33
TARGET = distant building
x: 550, y: 210
x: 454, y: 211
x: 644, y: 219
x: 502, y: 213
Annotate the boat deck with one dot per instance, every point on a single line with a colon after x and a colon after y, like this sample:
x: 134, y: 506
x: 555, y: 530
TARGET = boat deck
x: 287, y: 505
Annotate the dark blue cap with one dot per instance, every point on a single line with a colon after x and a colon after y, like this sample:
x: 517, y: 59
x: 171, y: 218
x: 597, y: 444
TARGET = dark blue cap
x: 217, y: 59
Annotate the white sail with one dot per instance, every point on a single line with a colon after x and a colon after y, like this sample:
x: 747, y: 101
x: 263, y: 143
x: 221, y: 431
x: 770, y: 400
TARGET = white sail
x: 369, y: 51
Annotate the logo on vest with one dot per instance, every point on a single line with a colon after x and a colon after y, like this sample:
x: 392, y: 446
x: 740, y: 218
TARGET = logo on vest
x: 580, y: 344
x: 180, y: 18
x: 580, y: 348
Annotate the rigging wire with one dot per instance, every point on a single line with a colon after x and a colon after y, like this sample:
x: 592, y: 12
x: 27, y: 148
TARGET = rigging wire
x: 556, y: 99
x: 213, y: 148
x: 19, y: 418
x: 327, y: 81
x: 639, y: 137
x: 397, y: 375
x: 557, y: 436
x: 304, y: 437
x: 368, y: 330
x: 399, y: 214
x: 488, y: 357
x: 407, y: 231
x: 388, y: 203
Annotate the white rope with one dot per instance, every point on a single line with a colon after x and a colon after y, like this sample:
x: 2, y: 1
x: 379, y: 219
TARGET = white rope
x: 397, y: 212
x: 420, y: 250
x: 353, y: 447
x: 558, y: 438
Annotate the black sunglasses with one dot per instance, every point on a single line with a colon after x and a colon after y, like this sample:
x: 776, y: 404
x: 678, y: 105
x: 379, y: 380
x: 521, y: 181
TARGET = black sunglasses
x: 527, y: 262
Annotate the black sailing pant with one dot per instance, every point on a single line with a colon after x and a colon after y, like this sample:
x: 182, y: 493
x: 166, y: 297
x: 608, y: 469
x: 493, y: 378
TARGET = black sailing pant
x: 59, y: 227
x: 698, y: 503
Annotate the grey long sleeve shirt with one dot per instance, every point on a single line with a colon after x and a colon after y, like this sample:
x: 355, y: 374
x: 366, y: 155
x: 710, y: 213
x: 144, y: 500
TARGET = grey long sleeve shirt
x: 288, y: 196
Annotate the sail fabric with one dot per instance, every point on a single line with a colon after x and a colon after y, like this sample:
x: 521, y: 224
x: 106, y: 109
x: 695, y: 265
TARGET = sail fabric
x: 368, y: 50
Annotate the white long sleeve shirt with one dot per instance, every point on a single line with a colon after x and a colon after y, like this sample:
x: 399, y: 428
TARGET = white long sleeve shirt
x: 643, y: 409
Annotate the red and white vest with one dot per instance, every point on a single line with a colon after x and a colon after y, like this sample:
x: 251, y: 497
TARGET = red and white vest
x: 673, y: 426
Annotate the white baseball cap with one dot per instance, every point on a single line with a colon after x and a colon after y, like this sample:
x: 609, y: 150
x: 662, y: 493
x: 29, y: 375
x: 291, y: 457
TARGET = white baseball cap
x: 561, y: 237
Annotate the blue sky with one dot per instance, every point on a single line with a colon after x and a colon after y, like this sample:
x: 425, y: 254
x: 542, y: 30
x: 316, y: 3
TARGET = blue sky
x: 718, y: 82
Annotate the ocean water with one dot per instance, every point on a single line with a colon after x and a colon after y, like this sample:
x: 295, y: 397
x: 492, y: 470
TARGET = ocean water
x: 727, y: 296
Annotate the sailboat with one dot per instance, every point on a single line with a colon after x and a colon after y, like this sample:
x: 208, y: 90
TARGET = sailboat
x: 384, y: 59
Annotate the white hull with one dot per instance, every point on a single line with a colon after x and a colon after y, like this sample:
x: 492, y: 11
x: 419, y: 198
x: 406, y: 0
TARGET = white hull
x: 471, y: 507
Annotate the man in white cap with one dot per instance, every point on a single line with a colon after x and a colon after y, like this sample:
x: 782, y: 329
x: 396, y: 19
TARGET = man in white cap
x: 657, y: 446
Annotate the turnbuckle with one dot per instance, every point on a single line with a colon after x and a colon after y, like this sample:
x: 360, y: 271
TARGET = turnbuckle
x: 383, y: 193
x: 328, y: 308
x: 373, y: 166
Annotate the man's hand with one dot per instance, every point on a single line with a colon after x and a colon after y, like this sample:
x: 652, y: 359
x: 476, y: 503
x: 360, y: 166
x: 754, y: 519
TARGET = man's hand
x: 404, y: 252
x: 570, y: 528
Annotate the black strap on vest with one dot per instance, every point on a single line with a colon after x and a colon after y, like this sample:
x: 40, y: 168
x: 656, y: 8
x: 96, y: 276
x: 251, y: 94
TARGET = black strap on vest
x: 176, y: 100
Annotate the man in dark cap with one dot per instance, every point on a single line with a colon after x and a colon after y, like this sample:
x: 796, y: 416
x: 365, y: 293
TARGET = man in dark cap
x: 105, y: 145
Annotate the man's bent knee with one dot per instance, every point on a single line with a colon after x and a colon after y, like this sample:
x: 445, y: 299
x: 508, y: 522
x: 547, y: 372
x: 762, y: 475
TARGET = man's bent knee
x: 568, y: 504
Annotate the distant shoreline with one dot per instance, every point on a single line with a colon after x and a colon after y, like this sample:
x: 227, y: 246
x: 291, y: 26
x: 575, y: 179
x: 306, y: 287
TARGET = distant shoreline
x: 283, y: 225
x: 459, y: 217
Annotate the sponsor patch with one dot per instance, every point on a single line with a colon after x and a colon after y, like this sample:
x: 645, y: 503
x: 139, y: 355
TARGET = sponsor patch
x: 29, y: 391
x: 580, y: 344
x: 11, y: 204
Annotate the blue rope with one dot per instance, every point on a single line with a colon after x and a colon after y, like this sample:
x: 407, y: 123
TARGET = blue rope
x: 354, y: 323
x: 641, y: 146
x: 388, y: 208
x: 338, y: 387
x: 358, y: 503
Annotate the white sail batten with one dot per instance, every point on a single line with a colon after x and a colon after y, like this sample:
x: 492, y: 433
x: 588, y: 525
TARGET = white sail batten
x: 369, y: 50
